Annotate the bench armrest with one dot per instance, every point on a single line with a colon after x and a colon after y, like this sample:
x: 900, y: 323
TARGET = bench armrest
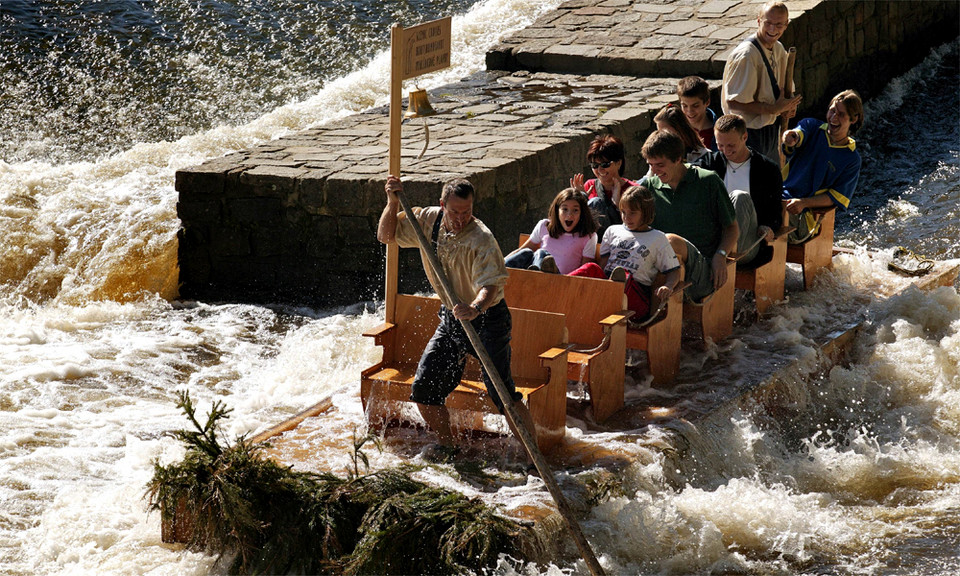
x: 614, y: 319
x: 553, y: 353
x: 378, y: 332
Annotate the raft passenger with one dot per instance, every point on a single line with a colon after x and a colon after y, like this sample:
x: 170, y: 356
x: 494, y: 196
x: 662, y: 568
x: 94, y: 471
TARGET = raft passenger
x: 471, y: 257
x: 693, y: 92
x: 562, y: 242
x: 634, y: 253
x: 606, y: 158
x: 693, y: 206
x: 822, y: 163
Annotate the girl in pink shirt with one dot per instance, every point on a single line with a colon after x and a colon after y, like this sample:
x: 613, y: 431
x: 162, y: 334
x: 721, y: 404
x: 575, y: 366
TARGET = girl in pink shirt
x: 564, y: 241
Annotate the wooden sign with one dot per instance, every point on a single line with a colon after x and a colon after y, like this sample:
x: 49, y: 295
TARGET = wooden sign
x: 426, y: 48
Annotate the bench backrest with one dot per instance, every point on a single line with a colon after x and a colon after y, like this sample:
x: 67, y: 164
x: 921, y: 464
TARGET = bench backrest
x: 534, y: 332
x: 584, y: 301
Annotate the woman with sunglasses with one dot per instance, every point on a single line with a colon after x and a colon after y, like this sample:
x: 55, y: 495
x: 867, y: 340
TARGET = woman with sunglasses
x: 606, y: 158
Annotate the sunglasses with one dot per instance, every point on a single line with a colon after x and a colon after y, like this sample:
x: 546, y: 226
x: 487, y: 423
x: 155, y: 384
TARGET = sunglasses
x: 595, y: 165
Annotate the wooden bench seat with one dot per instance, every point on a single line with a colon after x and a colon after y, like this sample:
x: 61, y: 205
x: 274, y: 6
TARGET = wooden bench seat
x: 596, y: 328
x: 715, y: 312
x: 660, y: 337
x: 766, y: 274
x: 538, y: 367
x: 816, y: 254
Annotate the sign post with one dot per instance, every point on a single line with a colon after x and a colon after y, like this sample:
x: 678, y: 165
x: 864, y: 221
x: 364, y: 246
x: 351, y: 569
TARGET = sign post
x: 413, y: 51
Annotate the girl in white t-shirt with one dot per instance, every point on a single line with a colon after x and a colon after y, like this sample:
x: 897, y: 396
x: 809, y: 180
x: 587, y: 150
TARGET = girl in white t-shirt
x: 634, y: 253
x: 564, y: 241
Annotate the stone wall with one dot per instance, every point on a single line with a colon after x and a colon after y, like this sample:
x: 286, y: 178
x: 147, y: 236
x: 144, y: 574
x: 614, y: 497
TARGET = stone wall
x: 294, y: 220
x: 840, y: 44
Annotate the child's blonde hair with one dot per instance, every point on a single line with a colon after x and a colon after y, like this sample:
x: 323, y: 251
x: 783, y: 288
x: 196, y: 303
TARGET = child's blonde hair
x: 640, y: 198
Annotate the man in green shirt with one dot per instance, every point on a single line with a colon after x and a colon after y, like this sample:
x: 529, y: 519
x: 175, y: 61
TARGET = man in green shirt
x: 694, y: 210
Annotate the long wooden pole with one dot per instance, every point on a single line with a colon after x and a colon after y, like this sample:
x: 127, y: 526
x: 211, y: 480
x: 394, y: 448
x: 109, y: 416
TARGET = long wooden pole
x: 449, y: 296
x: 787, y: 93
x: 526, y: 438
x: 396, y: 97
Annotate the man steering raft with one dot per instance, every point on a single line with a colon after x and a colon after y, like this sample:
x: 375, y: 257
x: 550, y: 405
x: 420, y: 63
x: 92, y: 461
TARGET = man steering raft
x: 472, y: 261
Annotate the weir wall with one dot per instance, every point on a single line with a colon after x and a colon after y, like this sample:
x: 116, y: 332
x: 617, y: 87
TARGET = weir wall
x: 294, y: 220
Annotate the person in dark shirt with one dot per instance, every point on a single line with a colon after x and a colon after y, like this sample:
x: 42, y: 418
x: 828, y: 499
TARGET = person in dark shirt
x: 753, y: 183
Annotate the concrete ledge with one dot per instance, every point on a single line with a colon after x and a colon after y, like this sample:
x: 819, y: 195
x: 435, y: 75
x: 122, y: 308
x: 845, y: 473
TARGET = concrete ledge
x: 272, y: 222
x: 840, y: 43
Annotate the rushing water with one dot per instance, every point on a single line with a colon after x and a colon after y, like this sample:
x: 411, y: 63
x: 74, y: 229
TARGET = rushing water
x: 103, y: 101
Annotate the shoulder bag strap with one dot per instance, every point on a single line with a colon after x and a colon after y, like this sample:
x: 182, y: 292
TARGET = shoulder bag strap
x: 763, y: 54
x: 436, y: 230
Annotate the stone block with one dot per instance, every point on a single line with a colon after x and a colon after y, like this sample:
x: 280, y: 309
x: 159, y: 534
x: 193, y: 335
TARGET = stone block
x: 354, y: 230
x: 317, y: 236
x: 654, y: 8
x: 200, y: 182
x: 705, y: 31
x: 252, y: 210
x: 204, y: 211
x: 498, y: 57
x: 716, y: 7
x: 528, y: 57
x: 230, y: 241
x: 681, y: 28
x: 618, y: 40
x: 479, y: 109
x: 621, y: 114
x: 730, y: 33
x: 678, y: 15
x: 521, y: 145
x: 589, y: 11
x: 243, y: 277
x: 193, y: 239
x: 276, y: 181
x: 489, y: 162
x: 664, y: 42
x: 581, y: 59
x: 269, y: 241
x: 194, y: 272
x: 352, y: 195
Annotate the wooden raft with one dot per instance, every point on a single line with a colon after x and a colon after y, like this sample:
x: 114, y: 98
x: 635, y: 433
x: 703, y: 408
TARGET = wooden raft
x: 538, y: 366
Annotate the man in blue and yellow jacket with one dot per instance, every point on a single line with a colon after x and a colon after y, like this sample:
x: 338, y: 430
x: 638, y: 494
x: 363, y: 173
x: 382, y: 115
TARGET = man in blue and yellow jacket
x: 822, y: 163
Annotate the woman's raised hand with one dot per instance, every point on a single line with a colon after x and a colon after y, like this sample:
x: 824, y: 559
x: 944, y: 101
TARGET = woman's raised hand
x: 577, y: 182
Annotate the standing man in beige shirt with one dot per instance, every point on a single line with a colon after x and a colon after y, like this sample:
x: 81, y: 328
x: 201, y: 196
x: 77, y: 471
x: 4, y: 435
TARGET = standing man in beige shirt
x: 752, y: 81
x: 473, y: 263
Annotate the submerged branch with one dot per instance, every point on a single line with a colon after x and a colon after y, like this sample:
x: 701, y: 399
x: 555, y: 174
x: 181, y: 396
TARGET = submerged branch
x: 272, y: 519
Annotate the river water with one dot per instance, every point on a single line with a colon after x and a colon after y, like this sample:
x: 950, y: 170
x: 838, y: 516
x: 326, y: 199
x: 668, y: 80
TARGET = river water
x: 102, y: 103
